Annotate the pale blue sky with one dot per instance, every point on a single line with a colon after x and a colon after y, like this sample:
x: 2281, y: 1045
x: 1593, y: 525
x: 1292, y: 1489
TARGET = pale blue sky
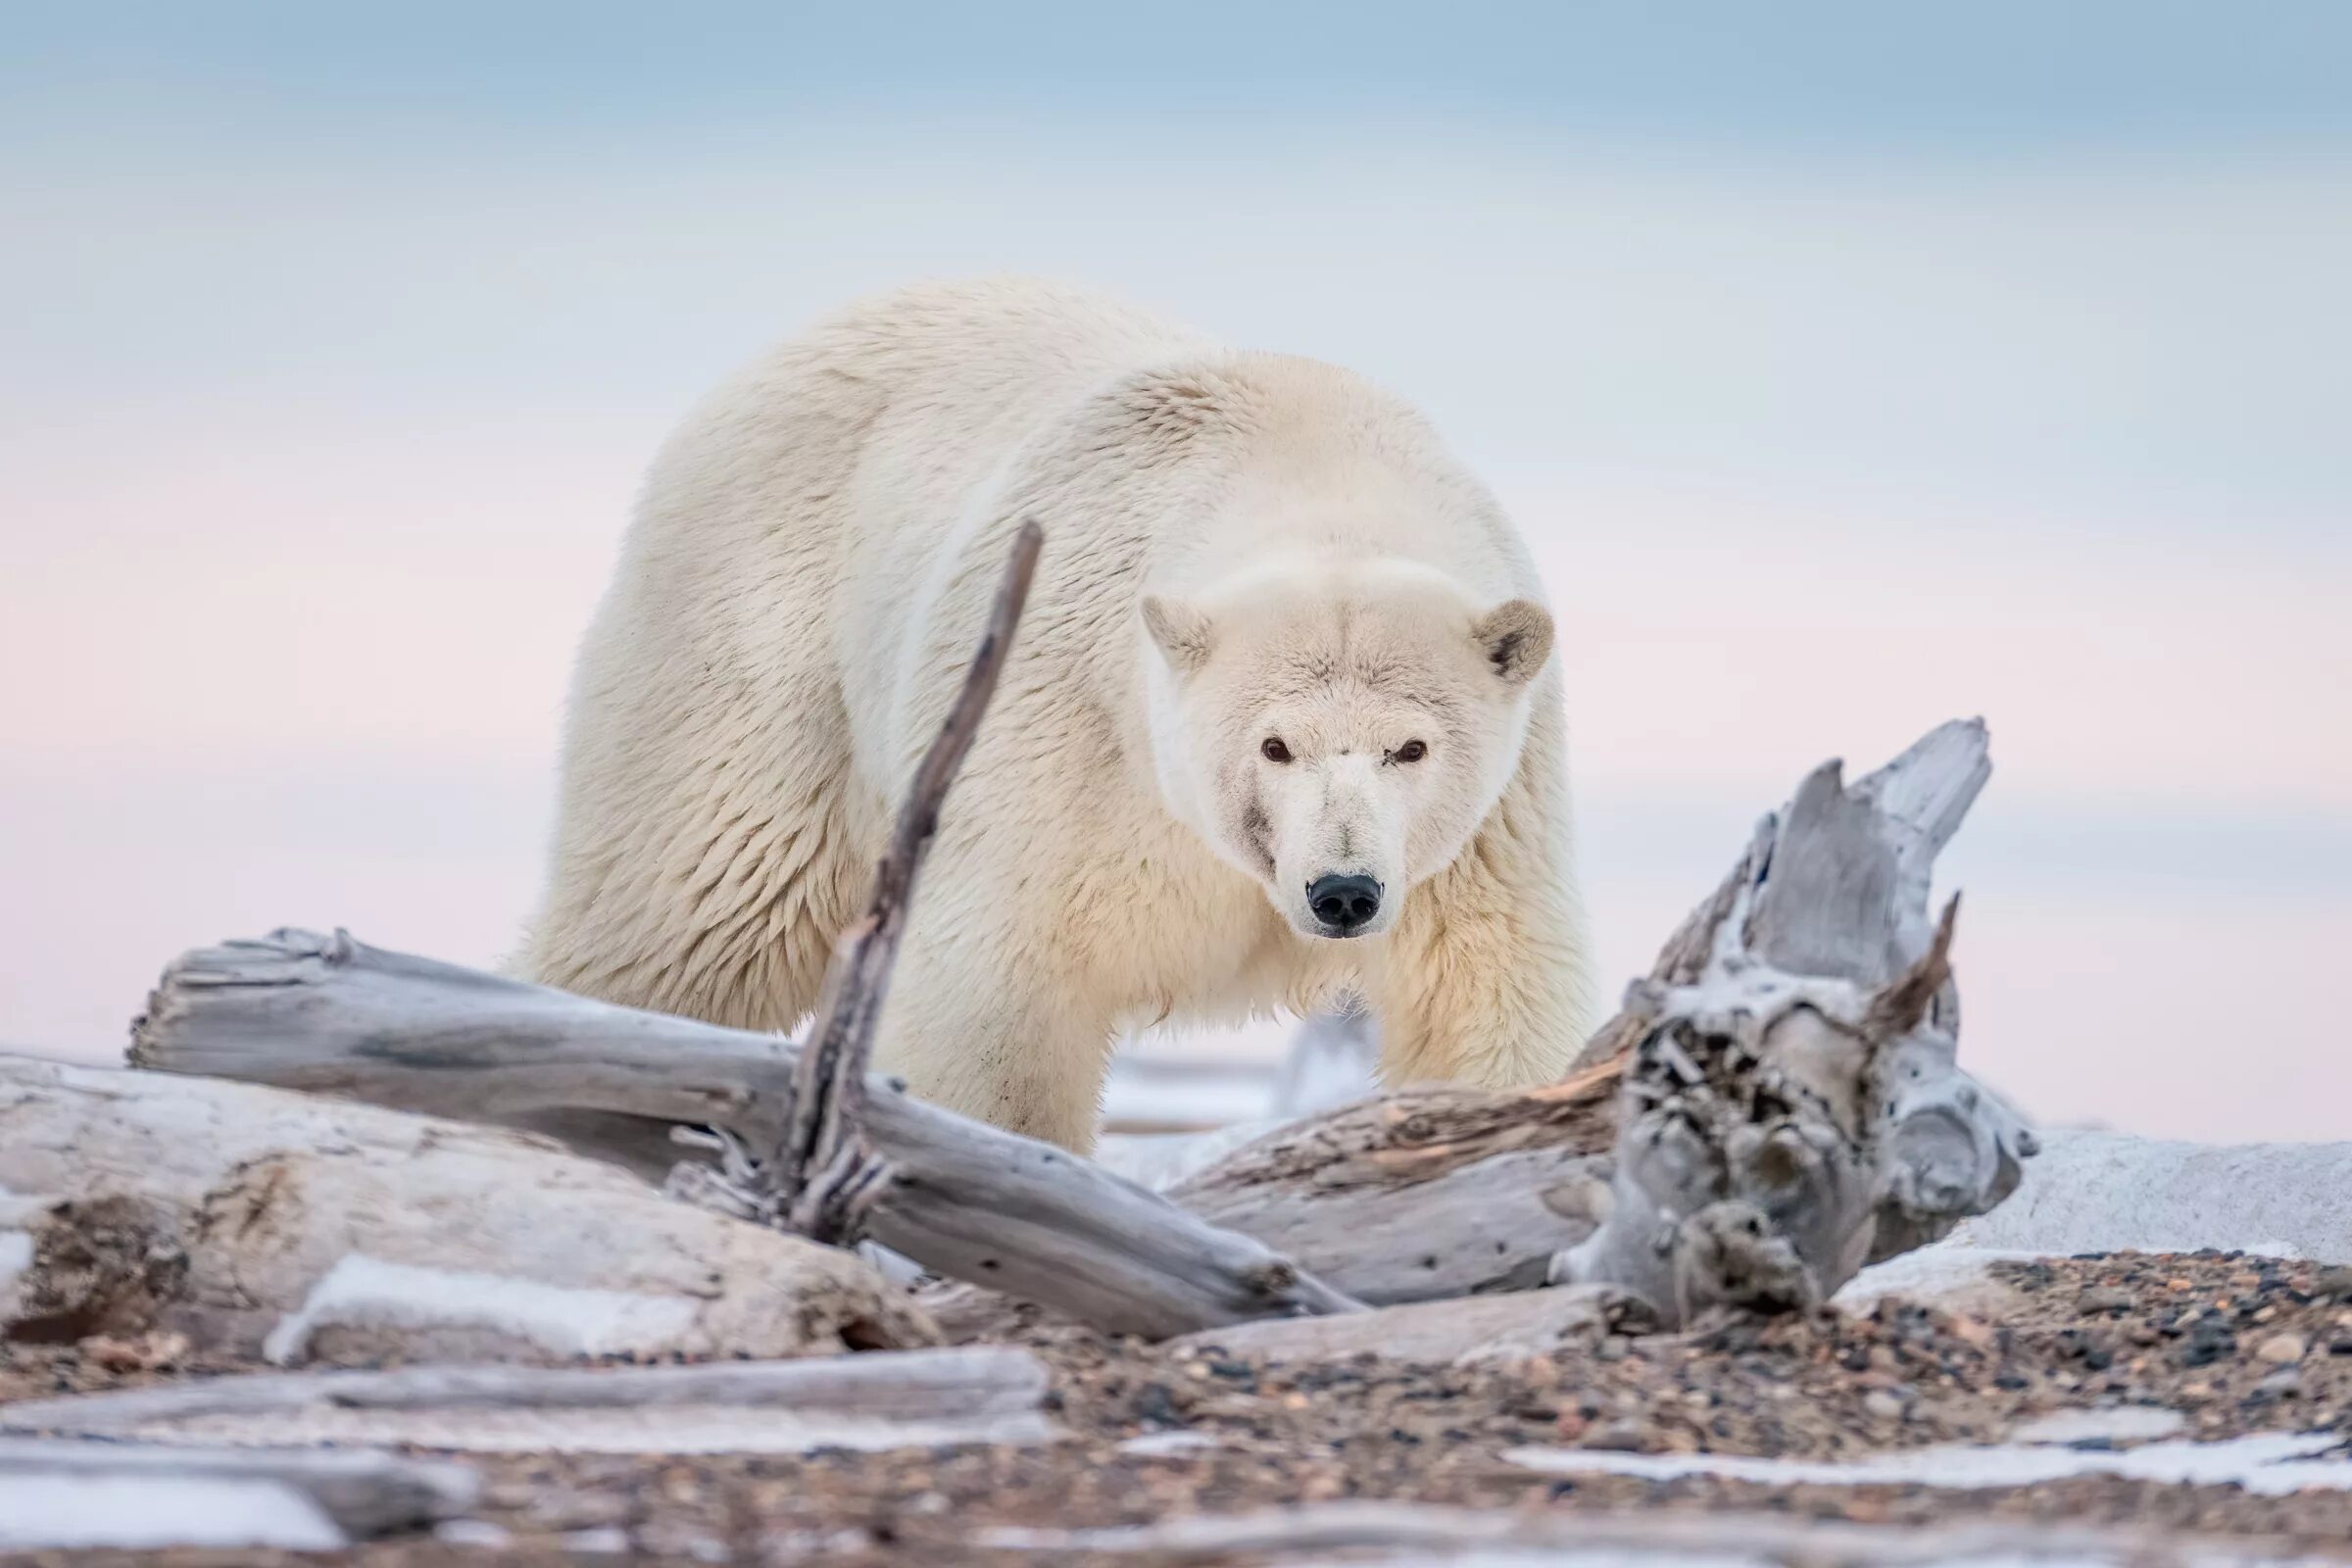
x: 1849, y: 366
x: 1854, y: 79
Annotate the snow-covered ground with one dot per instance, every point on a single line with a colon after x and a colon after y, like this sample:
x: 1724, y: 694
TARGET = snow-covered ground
x: 53, y: 1512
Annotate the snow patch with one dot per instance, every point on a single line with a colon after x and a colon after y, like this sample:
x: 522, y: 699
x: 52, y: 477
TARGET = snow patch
x: 1160, y: 1444
x: 362, y: 1292
x: 1160, y: 1160
x: 54, y: 1512
x: 16, y: 1255
x: 480, y: 1534
x: 1179, y: 1092
x: 2120, y: 1423
x: 2098, y: 1191
x: 601, y: 1540
x: 2269, y: 1464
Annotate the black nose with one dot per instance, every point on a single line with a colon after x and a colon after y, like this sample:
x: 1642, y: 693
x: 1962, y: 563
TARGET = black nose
x: 1343, y: 901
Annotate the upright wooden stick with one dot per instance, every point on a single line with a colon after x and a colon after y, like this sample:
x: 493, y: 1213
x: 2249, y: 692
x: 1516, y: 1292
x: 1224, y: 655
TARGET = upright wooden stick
x: 823, y: 1173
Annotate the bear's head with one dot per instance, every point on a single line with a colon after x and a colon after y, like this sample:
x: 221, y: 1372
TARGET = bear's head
x: 1339, y: 734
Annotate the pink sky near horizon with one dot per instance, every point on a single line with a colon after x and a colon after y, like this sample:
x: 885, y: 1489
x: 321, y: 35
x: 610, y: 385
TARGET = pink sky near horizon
x: 350, y: 718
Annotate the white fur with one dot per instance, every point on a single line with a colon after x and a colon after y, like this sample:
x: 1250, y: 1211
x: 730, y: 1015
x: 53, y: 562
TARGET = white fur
x: 807, y: 576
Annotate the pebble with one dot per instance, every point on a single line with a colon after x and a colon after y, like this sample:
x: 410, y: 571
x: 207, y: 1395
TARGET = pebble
x: 1616, y: 1437
x: 2209, y: 1342
x: 480, y: 1534
x: 1973, y: 1331
x: 602, y: 1541
x: 2107, y: 1299
x: 2282, y: 1350
x: 693, y: 1545
x: 1882, y: 1405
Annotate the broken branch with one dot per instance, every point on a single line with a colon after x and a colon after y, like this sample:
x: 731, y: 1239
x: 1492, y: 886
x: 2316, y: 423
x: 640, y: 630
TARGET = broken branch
x: 822, y: 1174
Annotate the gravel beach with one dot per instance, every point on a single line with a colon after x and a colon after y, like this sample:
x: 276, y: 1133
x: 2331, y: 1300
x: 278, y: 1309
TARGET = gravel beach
x: 2236, y: 1344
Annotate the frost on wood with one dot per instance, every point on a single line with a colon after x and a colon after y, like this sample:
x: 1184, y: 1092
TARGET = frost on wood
x: 244, y: 1215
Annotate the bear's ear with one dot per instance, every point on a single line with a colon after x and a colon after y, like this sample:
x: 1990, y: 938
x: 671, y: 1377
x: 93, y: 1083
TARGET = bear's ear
x: 1515, y: 637
x: 1180, y: 630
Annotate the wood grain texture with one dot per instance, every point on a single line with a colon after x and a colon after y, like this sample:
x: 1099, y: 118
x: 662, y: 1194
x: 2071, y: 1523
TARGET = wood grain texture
x: 329, y: 1014
x: 259, y: 1220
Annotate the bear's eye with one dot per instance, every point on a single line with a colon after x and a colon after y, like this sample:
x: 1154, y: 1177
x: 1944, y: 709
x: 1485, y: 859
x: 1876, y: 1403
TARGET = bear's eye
x: 1273, y: 749
x: 1409, y: 752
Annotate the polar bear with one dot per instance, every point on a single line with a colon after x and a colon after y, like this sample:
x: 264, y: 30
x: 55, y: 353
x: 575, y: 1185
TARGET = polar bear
x: 1281, y: 722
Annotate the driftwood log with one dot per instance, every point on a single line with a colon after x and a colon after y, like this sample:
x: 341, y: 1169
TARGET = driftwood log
x: 331, y: 1015
x: 1387, y: 1535
x: 264, y: 1222
x: 907, y: 1398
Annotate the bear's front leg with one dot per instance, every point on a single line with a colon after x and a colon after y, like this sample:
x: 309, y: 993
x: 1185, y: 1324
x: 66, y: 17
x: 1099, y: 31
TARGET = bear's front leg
x: 1487, y: 977
x: 985, y: 1027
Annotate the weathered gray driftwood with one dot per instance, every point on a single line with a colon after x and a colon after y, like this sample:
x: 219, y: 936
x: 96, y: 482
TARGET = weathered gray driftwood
x: 1447, y: 1191
x: 1423, y: 1194
x: 362, y: 1493
x: 890, y: 1399
x: 1364, y: 1534
x: 332, y: 1016
x: 894, y: 1385
x: 258, y: 1221
x: 1510, y: 1325
x: 1792, y: 1103
x: 1751, y: 1160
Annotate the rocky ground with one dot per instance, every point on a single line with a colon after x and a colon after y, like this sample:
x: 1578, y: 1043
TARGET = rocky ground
x: 2236, y: 1344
